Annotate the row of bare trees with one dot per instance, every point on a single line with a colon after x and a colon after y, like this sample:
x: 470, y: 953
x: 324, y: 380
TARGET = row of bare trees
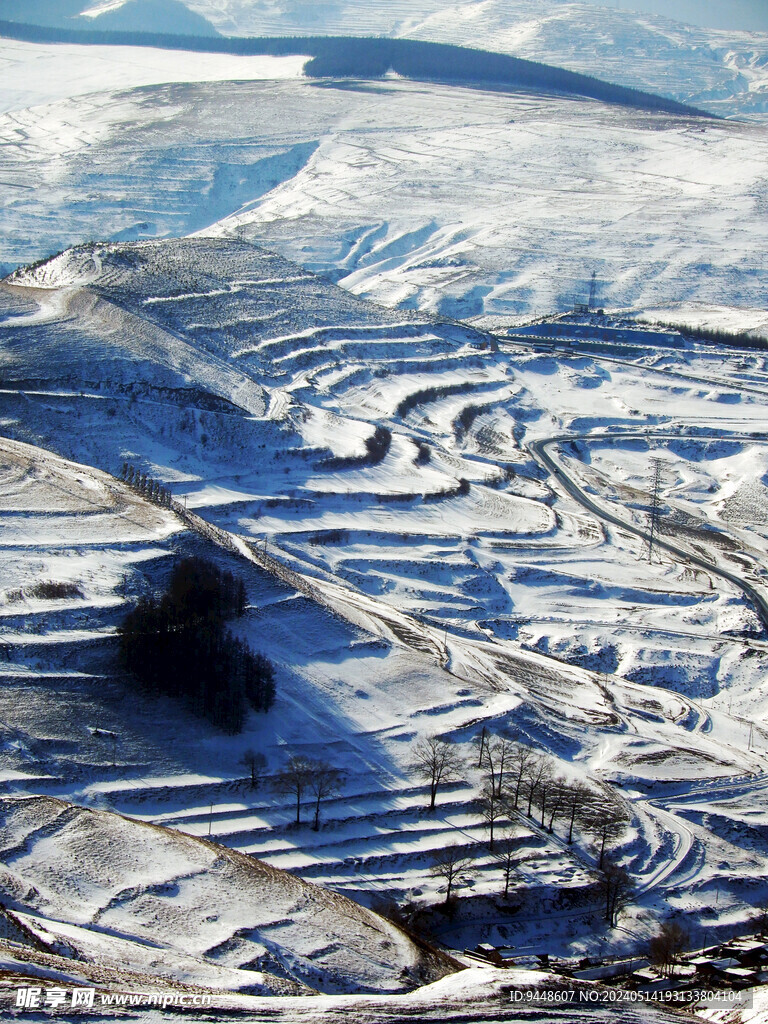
x: 614, y: 886
x: 518, y: 781
x: 146, y: 485
x: 303, y: 779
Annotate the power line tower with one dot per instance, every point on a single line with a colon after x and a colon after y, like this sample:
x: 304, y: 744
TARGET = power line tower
x: 593, y: 291
x: 654, y: 515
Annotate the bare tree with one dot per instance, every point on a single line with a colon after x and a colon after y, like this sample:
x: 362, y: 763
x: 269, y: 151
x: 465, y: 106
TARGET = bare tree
x: 294, y: 780
x: 670, y: 940
x: 519, y: 763
x: 437, y: 761
x: 539, y: 774
x: 576, y: 798
x: 507, y: 849
x: 606, y: 823
x: 615, y: 887
x: 491, y: 808
x: 255, y: 762
x: 482, y: 748
x: 557, y: 796
x: 547, y: 789
x: 324, y: 782
x: 495, y: 757
x: 505, y: 751
x: 449, y: 864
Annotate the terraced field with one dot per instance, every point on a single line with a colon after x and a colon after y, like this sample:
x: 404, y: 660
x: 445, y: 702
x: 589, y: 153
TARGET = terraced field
x: 412, y: 570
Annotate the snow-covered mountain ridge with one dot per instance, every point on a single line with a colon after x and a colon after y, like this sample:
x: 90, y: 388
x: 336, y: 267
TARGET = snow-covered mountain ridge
x: 726, y: 72
x: 111, y: 15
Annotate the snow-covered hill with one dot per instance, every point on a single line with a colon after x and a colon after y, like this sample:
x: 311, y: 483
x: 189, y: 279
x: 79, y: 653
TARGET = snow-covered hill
x: 470, y: 588
x: 723, y: 71
x: 720, y: 70
x: 422, y: 196
x: 172, y: 16
x: 133, y: 896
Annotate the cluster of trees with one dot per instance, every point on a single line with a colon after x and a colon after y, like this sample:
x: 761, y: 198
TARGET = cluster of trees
x: 178, y: 645
x: 329, y: 537
x: 376, y: 448
x: 736, y: 339
x: 463, y: 422
x: 431, y: 394
x: 462, y: 488
x: 424, y: 453
x: 518, y: 781
x: 55, y: 589
x: 377, y: 445
x: 666, y: 945
x: 146, y: 486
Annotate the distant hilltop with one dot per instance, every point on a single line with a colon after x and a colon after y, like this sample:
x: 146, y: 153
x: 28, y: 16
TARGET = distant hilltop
x: 362, y: 57
x: 126, y: 16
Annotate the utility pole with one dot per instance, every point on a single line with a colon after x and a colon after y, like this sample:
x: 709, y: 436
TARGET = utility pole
x: 654, y: 516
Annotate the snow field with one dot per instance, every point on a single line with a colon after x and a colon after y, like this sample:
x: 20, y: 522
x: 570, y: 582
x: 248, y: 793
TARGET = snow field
x: 154, y: 887
x: 38, y: 74
x: 718, y: 70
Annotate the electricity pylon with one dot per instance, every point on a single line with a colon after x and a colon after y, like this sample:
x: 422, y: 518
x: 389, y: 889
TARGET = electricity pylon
x: 654, y: 516
x: 593, y: 291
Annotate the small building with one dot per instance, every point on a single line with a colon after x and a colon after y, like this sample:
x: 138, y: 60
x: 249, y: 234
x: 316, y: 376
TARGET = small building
x: 715, y: 970
x: 749, y: 952
x: 649, y: 980
x: 741, y: 977
x: 618, y: 969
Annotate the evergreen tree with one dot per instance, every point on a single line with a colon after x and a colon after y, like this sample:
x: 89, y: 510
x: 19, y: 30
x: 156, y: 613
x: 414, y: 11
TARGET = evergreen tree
x: 177, y: 645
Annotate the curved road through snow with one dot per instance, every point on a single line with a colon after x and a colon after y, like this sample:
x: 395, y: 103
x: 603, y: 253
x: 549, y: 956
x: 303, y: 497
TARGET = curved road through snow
x: 539, y: 450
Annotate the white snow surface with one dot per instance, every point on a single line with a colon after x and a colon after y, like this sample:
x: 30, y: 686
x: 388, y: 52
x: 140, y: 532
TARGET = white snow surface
x: 38, y: 74
x: 133, y: 896
x: 409, y: 603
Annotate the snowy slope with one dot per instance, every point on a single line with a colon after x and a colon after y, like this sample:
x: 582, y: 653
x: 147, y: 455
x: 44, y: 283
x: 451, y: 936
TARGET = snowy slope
x: 110, y: 15
x: 499, y: 601
x: 720, y: 70
x: 481, y: 993
x: 38, y: 74
x: 141, y: 885
x: 460, y: 202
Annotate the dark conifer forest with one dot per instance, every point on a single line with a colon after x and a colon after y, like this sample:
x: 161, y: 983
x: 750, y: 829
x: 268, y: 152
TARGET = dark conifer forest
x: 178, y: 645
